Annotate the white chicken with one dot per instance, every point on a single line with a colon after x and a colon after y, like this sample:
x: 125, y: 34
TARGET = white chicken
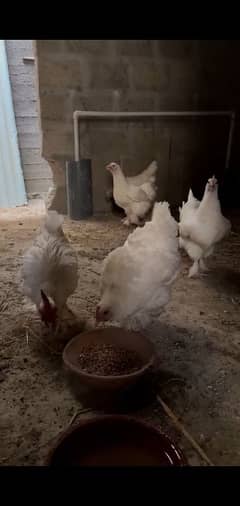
x: 50, y: 270
x: 201, y: 226
x: 135, y: 194
x: 147, y: 175
x: 137, y: 277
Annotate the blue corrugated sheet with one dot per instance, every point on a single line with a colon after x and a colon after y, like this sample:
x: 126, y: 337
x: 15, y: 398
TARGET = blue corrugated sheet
x: 12, y: 188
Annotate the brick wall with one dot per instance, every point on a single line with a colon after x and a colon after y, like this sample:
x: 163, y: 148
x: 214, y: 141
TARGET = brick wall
x: 36, y: 171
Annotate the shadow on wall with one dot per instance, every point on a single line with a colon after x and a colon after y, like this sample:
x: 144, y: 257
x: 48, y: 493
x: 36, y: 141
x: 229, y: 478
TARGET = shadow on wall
x: 229, y: 191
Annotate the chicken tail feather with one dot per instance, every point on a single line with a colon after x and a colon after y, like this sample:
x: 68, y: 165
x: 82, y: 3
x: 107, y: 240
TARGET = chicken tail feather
x: 53, y: 222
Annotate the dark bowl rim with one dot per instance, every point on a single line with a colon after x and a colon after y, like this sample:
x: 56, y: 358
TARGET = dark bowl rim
x: 115, y: 418
x: 109, y: 378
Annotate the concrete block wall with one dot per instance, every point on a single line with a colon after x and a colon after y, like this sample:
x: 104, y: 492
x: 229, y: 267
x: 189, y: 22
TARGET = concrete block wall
x: 142, y: 75
x: 36, y: 171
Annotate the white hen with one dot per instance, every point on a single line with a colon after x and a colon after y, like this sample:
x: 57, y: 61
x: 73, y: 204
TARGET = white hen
x: 50, y: 270
x: 202, y: 225
x: 137, y: 277
x: 136, y: 198
x: 148, y: 175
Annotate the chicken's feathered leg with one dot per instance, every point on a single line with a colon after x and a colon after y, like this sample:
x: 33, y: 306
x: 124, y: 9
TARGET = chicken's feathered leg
x: 194, y: 270
x: 203, y: 266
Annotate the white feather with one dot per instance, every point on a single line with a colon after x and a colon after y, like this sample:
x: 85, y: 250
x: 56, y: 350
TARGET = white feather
x: 137, y: 277
x: 134, y: 194
x: 146, y: 176
x: 50, y: 264
x: 202, y: 225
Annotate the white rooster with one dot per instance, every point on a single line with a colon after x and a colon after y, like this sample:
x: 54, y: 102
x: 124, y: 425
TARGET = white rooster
x: 202, y: 225
x: 134, y: 194
x: 50, y: 270
x: 137, y: 277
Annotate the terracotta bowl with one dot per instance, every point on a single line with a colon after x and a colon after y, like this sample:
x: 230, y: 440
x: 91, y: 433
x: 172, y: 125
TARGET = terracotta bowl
x: 126, y: 339
x: 114, y: 440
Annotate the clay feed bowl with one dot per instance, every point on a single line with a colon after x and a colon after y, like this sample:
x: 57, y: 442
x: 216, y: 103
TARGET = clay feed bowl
x: 111, y: 335
x: 114, y: 441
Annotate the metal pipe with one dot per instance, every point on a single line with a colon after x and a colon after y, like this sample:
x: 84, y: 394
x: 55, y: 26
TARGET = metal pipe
x: 76, y: 137
x: 145, y: 114
x: 230, y: 139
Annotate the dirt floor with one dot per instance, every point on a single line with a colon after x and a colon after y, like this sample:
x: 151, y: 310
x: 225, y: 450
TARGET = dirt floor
x: 197, y: 337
